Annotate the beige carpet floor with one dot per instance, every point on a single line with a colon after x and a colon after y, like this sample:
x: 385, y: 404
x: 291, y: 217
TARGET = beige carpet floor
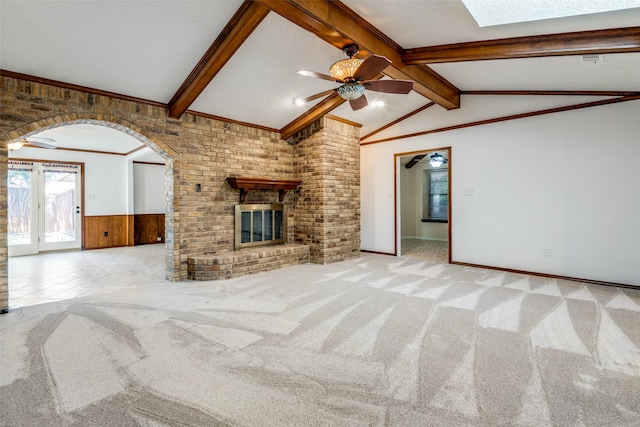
x: 377, y: 341
x: 429, y: 250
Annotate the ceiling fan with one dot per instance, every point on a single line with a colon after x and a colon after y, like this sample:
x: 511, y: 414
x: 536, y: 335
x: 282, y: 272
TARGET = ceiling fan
x: 356, y: 76
x: 33, y: 142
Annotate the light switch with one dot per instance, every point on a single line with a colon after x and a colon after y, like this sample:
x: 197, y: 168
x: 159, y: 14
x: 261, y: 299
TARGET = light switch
x: 468, y: 191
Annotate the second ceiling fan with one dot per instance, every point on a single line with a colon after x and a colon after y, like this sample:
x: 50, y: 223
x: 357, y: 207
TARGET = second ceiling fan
x: 356, y: 76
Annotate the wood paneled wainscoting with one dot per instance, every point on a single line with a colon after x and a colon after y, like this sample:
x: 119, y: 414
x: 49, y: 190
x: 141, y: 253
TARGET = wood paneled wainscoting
x: 108, y: 231
x: 148, y: 228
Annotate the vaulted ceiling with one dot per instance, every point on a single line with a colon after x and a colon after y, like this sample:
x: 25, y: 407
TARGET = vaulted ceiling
x: 237, y: 59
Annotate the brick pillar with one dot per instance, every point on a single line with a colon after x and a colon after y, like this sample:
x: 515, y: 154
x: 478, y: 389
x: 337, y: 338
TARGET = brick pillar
x: 4, y: 249
x: 327, y: 211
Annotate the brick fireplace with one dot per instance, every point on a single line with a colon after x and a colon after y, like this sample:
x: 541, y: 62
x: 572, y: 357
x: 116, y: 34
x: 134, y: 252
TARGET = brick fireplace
x: 322, y: 217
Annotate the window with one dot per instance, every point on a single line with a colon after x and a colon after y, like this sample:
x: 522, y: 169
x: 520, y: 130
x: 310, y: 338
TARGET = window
x: 435, y: 197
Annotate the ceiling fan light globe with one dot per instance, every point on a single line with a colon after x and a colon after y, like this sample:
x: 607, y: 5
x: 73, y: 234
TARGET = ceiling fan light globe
x: 351, y: 91
x: 12, y: 146
x: 345, y: 68
x: 437, y: 160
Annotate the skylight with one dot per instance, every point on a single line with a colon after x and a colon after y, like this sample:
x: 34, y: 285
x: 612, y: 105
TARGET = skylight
x: 498, y: 12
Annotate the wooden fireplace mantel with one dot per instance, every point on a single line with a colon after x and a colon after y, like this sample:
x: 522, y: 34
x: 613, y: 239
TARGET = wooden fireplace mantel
x: 245, y: 184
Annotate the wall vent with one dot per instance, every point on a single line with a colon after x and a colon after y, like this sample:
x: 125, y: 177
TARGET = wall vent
x: 592, y: 58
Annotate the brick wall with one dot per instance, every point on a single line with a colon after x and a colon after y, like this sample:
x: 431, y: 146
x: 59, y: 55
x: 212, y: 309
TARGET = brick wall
x: 200, y: 150
x: 328, y: 208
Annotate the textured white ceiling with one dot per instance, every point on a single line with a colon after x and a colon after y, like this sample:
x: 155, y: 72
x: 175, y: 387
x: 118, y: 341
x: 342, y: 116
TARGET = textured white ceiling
x: 612, y: 72
x: 147, y: 49
x: 144, y: 49
x: 259, y: 84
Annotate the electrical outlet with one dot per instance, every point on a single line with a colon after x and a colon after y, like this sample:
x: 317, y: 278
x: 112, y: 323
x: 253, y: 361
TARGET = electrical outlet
x: 547, y: 252
x: 106, y: 234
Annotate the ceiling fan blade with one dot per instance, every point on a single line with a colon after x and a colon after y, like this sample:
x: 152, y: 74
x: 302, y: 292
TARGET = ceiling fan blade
x: 37, y: 144
x: 371, y: 67
x: 40, y: 139
x: 358, y: 103
x: 318, y: 75
x: 390, y: 86
x: 318, y: 95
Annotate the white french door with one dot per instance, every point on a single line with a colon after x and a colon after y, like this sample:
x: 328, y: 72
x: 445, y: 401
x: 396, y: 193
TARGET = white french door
x: 43, y: 207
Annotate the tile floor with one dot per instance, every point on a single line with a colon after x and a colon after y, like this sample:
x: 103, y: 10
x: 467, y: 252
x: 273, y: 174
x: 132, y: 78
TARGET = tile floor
x: 56, y: 276
x: 429, y: 250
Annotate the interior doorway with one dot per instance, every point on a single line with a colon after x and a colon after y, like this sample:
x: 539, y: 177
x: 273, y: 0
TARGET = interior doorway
x: 44, y: 206
x: 424, y: 206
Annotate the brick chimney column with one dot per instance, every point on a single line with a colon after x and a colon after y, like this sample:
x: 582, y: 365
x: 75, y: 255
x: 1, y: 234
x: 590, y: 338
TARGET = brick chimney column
x: 327, y: 211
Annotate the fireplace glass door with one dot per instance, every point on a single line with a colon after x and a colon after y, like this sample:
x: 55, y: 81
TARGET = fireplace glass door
x: 263, y: 224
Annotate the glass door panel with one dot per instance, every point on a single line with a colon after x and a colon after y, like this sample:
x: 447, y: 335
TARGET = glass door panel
x: 22, y: 227
x: 43, y: 207
x: 60, y: 207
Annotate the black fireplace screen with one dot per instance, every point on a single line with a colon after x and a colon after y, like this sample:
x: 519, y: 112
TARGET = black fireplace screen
x: 257, y: 225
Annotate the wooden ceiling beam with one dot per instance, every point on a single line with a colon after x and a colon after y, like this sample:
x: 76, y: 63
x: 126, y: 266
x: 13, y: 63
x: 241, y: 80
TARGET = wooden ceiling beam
x: 414, y: 161
x: 314, y: 113
x: 617, y: 40
x: 241, y: 25
x: 338, y: 25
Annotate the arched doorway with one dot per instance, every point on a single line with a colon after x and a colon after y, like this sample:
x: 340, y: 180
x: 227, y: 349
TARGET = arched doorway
x: 140, y: 147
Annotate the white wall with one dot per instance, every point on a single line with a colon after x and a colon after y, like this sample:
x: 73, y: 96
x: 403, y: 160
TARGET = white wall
x: 408, y: 194
x: 149, y: 188
x: 105, y: 178
x: 569, y: 182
